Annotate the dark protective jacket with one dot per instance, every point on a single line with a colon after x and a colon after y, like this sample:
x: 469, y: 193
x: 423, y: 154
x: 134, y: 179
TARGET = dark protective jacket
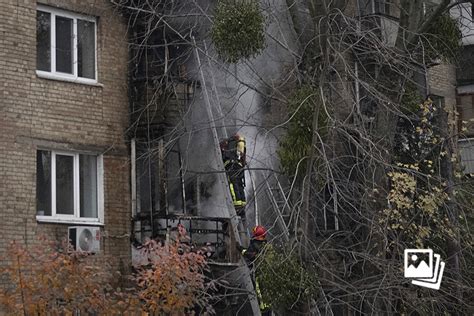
x: 236, y: 178
x: 233, y: 154
x: 251, y: 254
x: 255, y: 247
x: 234, y: 150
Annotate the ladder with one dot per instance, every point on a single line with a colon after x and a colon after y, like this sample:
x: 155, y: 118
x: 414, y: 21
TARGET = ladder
x: 280, y: 204
x: 230, y: 210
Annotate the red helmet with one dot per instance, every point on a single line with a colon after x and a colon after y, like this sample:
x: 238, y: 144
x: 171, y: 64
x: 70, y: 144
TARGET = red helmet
x: 259, y: 232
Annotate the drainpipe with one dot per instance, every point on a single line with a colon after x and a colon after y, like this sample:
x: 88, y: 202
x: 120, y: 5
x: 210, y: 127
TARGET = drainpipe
x: 133, y: 158
x: 183, y: 187
x: 136, y: 225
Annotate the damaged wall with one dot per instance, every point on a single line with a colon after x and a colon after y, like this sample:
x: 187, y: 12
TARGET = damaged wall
x: 246, y: 94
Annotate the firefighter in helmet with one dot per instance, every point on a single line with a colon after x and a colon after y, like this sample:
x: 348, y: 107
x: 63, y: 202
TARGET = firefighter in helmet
x: 257, y: 243
x: 233, y: 154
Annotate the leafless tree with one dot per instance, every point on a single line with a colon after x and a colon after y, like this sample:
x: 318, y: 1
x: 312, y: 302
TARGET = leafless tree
x: 359, y: 58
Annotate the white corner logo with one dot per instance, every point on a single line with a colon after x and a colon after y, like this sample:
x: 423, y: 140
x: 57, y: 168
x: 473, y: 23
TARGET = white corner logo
x: 419, y: 266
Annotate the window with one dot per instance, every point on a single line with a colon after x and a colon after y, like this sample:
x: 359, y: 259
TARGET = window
x: 381, y: 6
x: 471, y: 11
x: 65, y: 45
x: 465, y: 108
x: 367, y: 7
x: 466, y: 150
x: 68, y: 187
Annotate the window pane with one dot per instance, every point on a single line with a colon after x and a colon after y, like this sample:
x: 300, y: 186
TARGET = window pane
x: 147, y: 189
x: 88, y: 185
x: 64, y: 184
x: 86, y: 49
x: 64, y: 44
x: 43, y: 41
x: 43, y: 183
x: 467, y: 156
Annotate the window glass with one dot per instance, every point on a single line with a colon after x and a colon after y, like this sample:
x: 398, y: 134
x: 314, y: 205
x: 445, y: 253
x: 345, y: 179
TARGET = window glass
x: 367, y: 7
x: 43, y: 182
x: 471, y: 11
x: 64, y: 184
x: 145, y: 184
x: 64, y: 44
x: 382, y: 6
x: 86, y: 49
x: 43, y: 41
x: 88, y: 185
x: 75, y: 191
x: 467, y: 156
x: 466, y: 113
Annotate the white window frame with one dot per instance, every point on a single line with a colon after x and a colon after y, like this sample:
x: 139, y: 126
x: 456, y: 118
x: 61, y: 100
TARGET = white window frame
x: 53, y: 74
x: 75, y: 218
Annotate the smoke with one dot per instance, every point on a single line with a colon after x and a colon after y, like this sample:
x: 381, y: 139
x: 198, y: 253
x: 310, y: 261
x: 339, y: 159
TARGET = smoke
x: 238, y: 96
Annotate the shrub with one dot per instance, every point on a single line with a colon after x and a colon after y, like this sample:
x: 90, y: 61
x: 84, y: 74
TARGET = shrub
x: 170, y: 279
x: 296, y: 144
x: 443, y: 39
x: 239, y: 30
x: 47, y: 280
x: 283, y: 281
x: 51, y: 279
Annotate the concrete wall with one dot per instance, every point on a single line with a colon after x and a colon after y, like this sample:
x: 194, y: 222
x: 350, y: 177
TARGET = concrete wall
x: 37, y: 112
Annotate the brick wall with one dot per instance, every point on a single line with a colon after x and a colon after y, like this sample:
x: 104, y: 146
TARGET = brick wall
x: 62, y: 115
x: 442, y: 82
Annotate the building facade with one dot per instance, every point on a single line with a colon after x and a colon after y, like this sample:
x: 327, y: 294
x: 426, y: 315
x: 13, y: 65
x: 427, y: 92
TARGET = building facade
x: 465, y: 86
x: 63, y: 118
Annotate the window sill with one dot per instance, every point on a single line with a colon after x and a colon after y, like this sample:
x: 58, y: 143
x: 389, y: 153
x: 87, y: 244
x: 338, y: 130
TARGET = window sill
x: 74, y: 221
x: 51, y: 76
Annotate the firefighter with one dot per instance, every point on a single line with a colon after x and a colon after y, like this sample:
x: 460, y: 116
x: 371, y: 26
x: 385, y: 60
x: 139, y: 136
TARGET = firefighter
x: 257, y: 243
x: 233, y: 152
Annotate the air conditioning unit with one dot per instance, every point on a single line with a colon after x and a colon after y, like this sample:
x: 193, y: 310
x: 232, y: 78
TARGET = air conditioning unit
x: 85, y: 238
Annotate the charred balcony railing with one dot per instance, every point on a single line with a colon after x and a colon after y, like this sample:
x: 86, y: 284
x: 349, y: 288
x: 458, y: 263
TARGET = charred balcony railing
x: 213, y: 234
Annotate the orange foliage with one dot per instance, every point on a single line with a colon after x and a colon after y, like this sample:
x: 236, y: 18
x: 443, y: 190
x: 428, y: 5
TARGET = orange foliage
x: 49, y: 280
x: 171, y: 279
x: 46, y: 279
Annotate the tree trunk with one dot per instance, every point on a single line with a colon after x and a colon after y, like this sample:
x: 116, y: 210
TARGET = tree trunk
x: 448, y: 173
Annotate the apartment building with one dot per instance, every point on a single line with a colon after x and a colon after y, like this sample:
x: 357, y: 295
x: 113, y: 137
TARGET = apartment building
x: 465, y: 86
x: 63, y: 118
